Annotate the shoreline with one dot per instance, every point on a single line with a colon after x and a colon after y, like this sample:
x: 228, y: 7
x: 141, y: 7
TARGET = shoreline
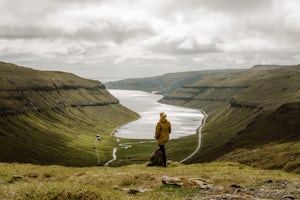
x: 198, y: 131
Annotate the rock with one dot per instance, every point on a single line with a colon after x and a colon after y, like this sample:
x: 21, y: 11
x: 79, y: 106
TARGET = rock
x: 133, y: 190
x: 27, y: 194
x: 136, y: 190
x: 236, y: 186
x: 172, y: 181
x: 288, y: 197
x: 32, y: 175
x: 269, y: 181
x: 17, y: 177
x: 201, y: 184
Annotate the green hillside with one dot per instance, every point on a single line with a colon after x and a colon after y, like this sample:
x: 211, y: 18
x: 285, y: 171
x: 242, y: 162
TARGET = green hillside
x: 253, y: 115
x: 164, y: 84
x: 54, y: 117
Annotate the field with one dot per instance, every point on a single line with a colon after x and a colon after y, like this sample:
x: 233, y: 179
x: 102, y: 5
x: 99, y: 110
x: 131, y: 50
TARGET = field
x: 226, y: 180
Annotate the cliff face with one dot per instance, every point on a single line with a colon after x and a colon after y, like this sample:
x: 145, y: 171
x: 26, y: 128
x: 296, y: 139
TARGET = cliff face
x: 53, y: 117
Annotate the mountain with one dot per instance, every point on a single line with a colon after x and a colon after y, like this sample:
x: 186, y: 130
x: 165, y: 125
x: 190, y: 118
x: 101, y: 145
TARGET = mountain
x: 54, y: 117
x: 164, y: 84
x: 253, y: 115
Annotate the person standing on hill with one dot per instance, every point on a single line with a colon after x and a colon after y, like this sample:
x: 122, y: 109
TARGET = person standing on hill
x: 162, y: 132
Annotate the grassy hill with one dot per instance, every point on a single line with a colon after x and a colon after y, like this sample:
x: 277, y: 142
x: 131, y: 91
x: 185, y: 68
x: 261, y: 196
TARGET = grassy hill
x: 224, y: 181
x: 164, y: 84
x: 253, y: 115
x: 54, y: 117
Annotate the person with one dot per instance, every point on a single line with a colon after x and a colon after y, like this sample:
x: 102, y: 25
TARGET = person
x: 162, y: 132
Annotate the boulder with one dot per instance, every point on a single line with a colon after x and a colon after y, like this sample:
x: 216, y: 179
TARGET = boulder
x: 175, y: 181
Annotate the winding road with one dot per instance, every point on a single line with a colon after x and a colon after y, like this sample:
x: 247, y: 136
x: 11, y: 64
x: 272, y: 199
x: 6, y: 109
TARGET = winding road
x: 199, y: 138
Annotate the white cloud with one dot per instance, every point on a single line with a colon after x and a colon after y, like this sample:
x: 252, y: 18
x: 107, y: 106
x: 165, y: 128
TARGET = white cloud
x: 187, y: 44
x: 171, y: 35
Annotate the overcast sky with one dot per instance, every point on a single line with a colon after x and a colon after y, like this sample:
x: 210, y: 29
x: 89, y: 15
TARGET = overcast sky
x: 110, y: 39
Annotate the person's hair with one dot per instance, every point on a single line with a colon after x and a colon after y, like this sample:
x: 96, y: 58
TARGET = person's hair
x: 163, y: 115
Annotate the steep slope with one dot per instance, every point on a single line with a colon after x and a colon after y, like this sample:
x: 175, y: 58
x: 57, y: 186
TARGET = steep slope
x: 270, y: 141
x: 53, y: 117
x: 248, y: 102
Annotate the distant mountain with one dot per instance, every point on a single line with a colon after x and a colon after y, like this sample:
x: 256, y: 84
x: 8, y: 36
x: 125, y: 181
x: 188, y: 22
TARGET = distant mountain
x: 54, y: 117
x: 270, y: 66
x: 253, y: 114
x: 166, y: 83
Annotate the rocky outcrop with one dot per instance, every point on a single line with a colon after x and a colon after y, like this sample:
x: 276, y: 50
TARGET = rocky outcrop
x: 236, y: 104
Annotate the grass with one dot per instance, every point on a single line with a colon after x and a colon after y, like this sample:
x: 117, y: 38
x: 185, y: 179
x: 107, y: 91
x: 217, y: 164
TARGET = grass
x: 59, y: 133
x: 271, y: 141
x: 56, y: 137
x: 26, y: 181
x: 257, y: 93
x: 54, y: 117
x: 166, y: 83
x: 140, y: 151
x: 267, y: 132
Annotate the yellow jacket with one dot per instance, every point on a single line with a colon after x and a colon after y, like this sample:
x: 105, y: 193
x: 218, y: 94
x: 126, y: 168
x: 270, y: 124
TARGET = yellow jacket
x: 163, y: 130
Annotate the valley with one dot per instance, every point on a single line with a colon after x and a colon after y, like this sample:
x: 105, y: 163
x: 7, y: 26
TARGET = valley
x: 50, y: 122
x: 253, y: 115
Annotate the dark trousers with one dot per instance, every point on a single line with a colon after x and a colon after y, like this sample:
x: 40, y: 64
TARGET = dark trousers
x: 163, y: 151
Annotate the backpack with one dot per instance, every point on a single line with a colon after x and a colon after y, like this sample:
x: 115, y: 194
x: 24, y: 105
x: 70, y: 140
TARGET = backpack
x: 156, y: 158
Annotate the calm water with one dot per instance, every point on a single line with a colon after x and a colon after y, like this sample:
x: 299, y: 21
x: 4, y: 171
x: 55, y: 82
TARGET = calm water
x: 184, y: 121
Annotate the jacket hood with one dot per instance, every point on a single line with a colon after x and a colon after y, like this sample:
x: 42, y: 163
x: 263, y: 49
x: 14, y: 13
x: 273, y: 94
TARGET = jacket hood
x: 163, y: 120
